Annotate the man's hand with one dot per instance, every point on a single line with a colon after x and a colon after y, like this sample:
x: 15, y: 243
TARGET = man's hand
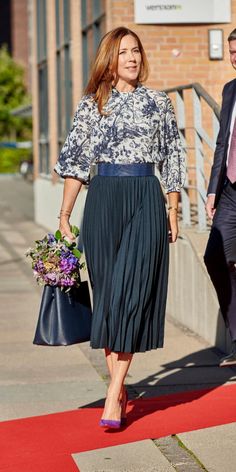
x: 210, y: 205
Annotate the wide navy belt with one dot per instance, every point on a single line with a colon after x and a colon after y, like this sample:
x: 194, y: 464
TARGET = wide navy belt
x: 124, y: 170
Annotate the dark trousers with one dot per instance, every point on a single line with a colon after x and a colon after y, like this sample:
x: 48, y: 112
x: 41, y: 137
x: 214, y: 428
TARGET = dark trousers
x: 220, y: 255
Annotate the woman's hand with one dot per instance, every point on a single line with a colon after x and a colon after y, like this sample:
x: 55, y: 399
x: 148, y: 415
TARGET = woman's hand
x: 72, y: 187
x: 173, y: 198
x: 64, y: 228
x: 173, y: 225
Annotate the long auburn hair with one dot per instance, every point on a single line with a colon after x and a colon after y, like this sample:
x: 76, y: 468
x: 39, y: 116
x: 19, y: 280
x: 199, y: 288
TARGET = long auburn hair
x: 104, y: 70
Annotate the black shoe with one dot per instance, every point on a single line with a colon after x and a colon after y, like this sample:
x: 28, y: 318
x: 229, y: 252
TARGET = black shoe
x: 229, y: 360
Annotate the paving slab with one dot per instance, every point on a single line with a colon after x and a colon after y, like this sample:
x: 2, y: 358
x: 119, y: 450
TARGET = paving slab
x: 162, y: 372
x: 141, y: 456
x: 214, y: 447
x: 186, y: 363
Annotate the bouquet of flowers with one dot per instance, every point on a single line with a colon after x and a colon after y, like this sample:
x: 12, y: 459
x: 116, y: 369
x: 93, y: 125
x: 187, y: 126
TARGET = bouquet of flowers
x: 56, y: 261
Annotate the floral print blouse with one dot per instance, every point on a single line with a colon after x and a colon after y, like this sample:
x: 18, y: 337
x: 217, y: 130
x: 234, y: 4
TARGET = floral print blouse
x: 138, y: 126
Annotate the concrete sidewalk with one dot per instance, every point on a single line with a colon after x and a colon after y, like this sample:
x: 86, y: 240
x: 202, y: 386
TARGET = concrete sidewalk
x: 36, y: 380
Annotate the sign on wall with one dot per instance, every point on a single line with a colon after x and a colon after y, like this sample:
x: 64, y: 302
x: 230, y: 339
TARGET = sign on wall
x: 182, y: 11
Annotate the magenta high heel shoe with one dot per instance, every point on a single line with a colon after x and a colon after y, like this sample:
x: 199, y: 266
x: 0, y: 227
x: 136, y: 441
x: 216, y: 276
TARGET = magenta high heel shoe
x: 113, y: 424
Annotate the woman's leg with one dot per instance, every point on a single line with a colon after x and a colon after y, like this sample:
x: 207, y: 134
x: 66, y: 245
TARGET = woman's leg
x: 118, y: 365
x: 123, y: 394
x: 108, y: 361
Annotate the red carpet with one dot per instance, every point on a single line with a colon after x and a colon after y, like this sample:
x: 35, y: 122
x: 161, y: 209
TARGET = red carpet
x: 45, y: 443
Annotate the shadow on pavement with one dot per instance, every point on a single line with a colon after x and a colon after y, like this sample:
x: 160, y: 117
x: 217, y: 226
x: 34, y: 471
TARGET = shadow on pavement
x: 197, y: 371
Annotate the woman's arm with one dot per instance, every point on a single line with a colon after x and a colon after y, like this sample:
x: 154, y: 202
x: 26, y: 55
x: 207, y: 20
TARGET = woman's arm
x: 72, y: 187
x: 173, y: 200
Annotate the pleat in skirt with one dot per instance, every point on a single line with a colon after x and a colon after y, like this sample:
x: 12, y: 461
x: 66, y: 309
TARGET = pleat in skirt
x: 126, y: 247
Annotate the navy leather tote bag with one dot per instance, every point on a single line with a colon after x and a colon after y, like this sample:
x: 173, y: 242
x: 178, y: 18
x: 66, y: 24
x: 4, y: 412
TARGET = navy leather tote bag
x: 64, y: 318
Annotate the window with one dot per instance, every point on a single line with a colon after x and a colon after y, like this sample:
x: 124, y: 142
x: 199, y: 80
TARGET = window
x: 93, y: 28
x: 42, y: 87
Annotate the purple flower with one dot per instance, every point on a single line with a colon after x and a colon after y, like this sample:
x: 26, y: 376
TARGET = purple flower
x: 65, y: 252
x: 68, y: 264
x: 51, y: 238
x: 51, y: 278
x: 66, y: 282
x: 73, y: 260
x: 39, y: 266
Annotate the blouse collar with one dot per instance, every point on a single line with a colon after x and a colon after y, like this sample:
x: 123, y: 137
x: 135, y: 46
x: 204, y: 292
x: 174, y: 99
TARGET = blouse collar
x: 133, y: 92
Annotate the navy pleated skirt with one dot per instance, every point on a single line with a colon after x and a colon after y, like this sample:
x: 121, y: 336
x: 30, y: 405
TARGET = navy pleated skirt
x: 126, y: 247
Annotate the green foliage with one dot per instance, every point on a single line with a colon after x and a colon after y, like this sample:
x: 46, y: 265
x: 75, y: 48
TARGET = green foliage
x: 58, y: 235
x: 10, y: 159
x: 75, y: 230
x: 77, y: 253
x: 12, y: 95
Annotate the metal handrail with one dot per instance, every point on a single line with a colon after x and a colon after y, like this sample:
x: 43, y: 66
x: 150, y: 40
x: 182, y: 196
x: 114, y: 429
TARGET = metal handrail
x: 199, y: 149
x: 201, y: 92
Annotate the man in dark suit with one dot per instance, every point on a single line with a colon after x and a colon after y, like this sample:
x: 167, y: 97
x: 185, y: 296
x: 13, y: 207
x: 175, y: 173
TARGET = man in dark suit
x: 220, y: 255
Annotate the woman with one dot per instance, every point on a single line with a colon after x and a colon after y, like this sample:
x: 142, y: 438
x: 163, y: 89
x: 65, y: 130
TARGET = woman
x: 126, y: 129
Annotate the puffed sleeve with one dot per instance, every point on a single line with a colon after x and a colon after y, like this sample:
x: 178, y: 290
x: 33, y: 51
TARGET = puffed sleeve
x: 171, y: 163
x: 75, y: 156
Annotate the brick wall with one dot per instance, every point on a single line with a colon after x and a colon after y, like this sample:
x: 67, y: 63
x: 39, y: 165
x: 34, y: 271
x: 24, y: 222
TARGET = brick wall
x: 192, y: 65
x: 19, y: 33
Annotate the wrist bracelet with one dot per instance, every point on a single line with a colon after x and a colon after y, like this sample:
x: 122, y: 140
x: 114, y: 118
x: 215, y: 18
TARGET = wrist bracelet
x: 173, y: 208
x: 64, y: 213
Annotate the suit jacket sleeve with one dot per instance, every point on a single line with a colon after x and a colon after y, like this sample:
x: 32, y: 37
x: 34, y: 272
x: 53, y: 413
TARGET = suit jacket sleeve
x: 219, y: 152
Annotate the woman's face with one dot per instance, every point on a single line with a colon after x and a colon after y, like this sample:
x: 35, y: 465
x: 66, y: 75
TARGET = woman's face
x: 129, y: 61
